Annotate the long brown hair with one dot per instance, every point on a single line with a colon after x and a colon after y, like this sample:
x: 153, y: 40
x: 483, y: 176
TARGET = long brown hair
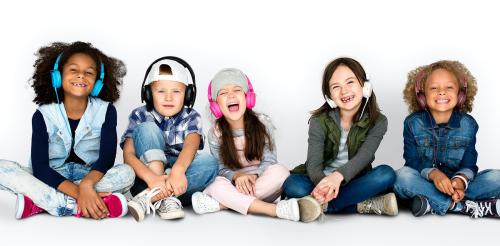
x: 256, y: 137
x: 372, y: 107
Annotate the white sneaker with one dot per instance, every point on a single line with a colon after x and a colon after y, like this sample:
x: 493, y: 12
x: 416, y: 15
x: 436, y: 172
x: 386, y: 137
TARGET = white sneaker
x: 203, y: 203
x: 288, y: 209
x: 169, y: 208
x: 141, y: 205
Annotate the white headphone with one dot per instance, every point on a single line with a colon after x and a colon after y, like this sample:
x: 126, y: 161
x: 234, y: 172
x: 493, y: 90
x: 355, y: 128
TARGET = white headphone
x: 367, y: 92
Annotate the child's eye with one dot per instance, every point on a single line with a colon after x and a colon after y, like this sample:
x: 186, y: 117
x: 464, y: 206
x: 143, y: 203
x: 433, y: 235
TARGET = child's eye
x: 222, y: 93
x: 177, y: 91
x: 90, y: 73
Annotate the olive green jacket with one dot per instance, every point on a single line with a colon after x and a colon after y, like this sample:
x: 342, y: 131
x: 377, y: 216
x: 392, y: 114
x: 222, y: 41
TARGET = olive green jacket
x: 324, y: 140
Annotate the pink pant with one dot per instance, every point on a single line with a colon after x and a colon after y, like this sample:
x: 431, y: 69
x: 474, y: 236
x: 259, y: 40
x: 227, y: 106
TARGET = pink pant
x: 267, y: 188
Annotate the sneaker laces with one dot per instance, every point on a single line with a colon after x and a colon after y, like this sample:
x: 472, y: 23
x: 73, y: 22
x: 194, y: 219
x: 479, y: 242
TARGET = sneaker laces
x: 478, y: 209
x: 168, y: 204
x: 372, y: 206
x: 35, y: 210
x: 145, y: 200
x: 475, y: 209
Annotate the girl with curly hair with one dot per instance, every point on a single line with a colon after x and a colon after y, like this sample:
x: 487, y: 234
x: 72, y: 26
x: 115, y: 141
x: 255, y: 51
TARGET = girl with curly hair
x: 73, y: 145
x: 440, y: 174
x: 344, y: 134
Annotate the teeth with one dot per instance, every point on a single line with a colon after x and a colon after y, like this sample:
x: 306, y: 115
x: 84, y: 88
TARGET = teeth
x: 442, y: 101
x: 347, y: 99
x: 78, y: 85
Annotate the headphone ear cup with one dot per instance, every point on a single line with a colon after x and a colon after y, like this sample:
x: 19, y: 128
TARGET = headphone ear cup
x: 330, y: 102
x: 189, y: 96
x: 214, y: 108
x: 97, y: 88
x: 461, y: 98
x: 250, y: 99
x: 147, y: 97
x: 56, y: 78
x: 421, y: 100
x: 367, y: 89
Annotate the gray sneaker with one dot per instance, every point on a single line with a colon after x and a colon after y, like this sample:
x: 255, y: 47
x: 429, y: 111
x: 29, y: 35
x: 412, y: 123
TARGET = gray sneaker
x: 141, y: 205
x: 169, y: 208
x: 309, y: 209
x: 385, y: 204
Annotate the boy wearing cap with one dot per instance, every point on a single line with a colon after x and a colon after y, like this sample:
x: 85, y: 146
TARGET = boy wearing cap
x: 161, y: 143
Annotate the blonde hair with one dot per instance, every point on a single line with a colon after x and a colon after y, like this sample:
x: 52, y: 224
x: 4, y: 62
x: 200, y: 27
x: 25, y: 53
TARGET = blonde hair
x: 421, y: 73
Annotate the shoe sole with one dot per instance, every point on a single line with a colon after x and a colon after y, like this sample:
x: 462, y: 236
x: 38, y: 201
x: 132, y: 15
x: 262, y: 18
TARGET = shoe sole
x: 172, y: 215
x: 417, y: 206
x: 392, y: 204
x: 309, y: 209
x: 136, y: 211
x: 19, y: 206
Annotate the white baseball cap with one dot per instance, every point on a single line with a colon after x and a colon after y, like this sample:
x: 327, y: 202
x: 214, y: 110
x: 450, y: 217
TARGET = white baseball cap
x: 179, y: 72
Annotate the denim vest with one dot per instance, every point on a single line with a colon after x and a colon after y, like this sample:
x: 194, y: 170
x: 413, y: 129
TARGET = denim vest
x: 449, y: 147
x: 87, y: 135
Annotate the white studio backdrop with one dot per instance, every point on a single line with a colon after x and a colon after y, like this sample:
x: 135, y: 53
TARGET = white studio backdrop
x: 282, y: 46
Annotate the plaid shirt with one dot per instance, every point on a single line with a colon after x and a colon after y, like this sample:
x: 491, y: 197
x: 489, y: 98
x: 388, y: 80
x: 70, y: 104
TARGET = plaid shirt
x: 175, y: 128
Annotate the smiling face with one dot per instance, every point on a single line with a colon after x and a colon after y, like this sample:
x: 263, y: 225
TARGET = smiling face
x: 78, y: 76
x: 231, y: 100
x: 168, y: 97
x: 345, y: 89
x: 441, y: 92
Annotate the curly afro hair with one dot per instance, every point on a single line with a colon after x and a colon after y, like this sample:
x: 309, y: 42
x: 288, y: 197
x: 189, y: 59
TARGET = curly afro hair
x: 42, y: 83
x: 454, y: 67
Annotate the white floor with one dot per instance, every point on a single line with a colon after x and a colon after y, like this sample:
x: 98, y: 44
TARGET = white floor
x: 229, y: 228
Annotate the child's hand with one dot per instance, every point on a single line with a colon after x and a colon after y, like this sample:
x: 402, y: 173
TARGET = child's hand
x: 158, y: 181
x: 328, y: 188
x: 90, y: 203
x: 458, y: 195
x: 459, y: 187
x: 245, y: 183
x: 441, y: 182
x: 177, y: 183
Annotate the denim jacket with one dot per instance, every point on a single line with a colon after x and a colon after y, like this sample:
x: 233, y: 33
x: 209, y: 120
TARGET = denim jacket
x: 87, y: 135
x: 448, y: 147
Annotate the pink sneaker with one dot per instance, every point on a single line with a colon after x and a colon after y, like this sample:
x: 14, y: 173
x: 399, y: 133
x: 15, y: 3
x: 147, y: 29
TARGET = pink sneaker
x: 116, y: 204
x: 25, y: 207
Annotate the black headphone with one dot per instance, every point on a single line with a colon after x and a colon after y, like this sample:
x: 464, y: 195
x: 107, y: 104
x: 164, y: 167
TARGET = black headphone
x: 189, y: 96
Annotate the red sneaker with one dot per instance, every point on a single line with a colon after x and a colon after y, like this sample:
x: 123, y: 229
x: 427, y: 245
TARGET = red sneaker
x: 25, y: 207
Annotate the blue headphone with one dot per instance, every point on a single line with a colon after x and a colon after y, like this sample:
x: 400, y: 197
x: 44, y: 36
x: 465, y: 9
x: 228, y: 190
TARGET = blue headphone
x: 57, y: 80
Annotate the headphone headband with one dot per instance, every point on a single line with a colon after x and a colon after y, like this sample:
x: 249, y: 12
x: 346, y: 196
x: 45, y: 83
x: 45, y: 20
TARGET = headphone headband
x: 173, y: 58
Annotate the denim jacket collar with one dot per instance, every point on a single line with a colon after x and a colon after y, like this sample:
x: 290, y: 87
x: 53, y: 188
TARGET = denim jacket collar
x: 453, y: 123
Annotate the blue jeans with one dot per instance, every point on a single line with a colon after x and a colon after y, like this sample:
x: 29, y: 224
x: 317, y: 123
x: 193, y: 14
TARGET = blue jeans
x: 149, y: 144
x: 409, y: 183
x: 373, y: 183
x: 20, y: 180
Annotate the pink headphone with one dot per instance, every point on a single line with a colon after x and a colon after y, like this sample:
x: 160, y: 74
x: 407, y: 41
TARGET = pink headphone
x: 421, y: 100
x: 249, y: 98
